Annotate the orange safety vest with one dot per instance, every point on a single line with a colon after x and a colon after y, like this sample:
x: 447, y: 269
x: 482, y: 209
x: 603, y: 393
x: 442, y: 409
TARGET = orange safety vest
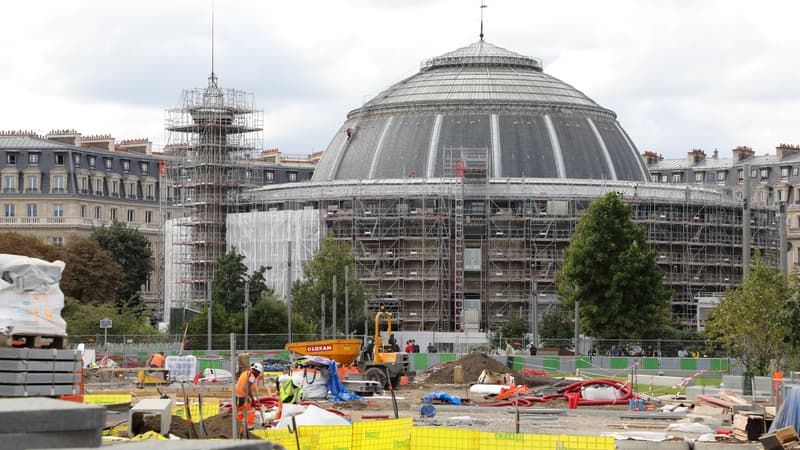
x: 241, y: 385
x: 156, y: 361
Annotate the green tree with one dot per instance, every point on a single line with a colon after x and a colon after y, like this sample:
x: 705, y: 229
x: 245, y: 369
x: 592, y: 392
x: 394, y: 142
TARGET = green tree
x: 229, y: 280
x: 515, y: 328
x: 222, y: 322
x: 269, y: 315
x: 745, y: 319
x: 132, y: 251
x: 609, y: 268
x: 557, y: 328
x: 90, y: 274
x: 330, y: 261
x: 84, y: 319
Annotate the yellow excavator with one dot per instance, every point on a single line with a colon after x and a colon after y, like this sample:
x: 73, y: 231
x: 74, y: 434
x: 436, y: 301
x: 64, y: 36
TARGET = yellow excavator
x: 387, y: 366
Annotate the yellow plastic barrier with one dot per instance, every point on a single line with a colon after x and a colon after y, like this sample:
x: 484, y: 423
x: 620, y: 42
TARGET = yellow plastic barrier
x: 444, y: 438
x: 401, y: 434
x: 390, y: 434
x: 209, y: 409
x: 106, y: 399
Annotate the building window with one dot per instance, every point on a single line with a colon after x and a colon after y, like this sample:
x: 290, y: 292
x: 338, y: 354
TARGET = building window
x: 144, y: 167
x: 292, y: 176
x: 98, y: 212
x: 699, y: 177
x: 664, y: 178
x: 58, y: 210
x: 84, y: 185
x: 148, y: 217
x: 113, y: 214
x: 59, y: 159
x: 114, y: 188
x: 148, y: 285
x: 32, y: 209
x: 33, y: 159
x: 795, y: 171
x: 721, y: 177
x: 58, y: 183
x: 753, y: 173
x: 32, y: 183
x: 764, y: 173
x: 83, y: 210
x: 11, y: 159
x: 270, y: 176
x: 131, y: 215
x: 98, y: 187
x: 740, y: 174
x: 132, y: 190
x: 126, y: 166
x: 9, y: 183
x: 676, y: 178
x: 92, y: 161
x: 76, y: 158
x: 149, y: 191
x: 785, y: 173
x: 9, y: 210
x: 58, y: 240
x: 108, y: 163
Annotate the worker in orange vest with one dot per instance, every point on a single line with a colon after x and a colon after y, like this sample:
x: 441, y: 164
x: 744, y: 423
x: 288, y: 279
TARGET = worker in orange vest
x: 156, y: 361
x: 245, y: 394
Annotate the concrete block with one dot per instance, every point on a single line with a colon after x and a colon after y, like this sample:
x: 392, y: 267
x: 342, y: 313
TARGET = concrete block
x: 26, y: 365
x: 39, y: 353
x: 723, y: 446
x: 33, y: 423
x: 34, y: 390
x: 194, y: 444
x: 629, y: 444
x: 149, y: 407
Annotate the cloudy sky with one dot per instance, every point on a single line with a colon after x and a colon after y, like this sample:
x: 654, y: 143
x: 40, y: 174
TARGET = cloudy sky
x: 680, y: 74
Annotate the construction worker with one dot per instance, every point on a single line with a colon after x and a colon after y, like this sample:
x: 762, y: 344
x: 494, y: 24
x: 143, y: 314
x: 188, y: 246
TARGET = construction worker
x: 289, y: 392
x: 245, y: 394
x: 156, y: 361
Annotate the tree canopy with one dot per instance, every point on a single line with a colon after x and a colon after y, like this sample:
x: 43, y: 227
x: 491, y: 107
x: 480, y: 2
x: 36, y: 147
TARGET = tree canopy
x: 330, y: 261
x: 130, y: 249
x: 230, y: 278
x: 745, y: 319
x: 90, y: 274
x: 609, y: 268
x: 557, y: 328
x: 84, y: 319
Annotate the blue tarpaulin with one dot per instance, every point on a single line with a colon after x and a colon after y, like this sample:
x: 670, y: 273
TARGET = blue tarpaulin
x: 339, y: 393
x: 454, y: 399
x: 789, y: 414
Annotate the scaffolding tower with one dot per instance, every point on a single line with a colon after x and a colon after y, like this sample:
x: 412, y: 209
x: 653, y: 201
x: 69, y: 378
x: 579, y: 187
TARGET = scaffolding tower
x: 211, y: 136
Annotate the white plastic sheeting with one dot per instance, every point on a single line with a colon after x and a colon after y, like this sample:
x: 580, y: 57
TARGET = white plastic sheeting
x: 182, y: 368
x: 263, y: 238
x: 174, y: 254
x: 30, y: 298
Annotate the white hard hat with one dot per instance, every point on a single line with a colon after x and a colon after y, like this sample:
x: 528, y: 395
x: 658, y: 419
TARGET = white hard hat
x: 258, y: 367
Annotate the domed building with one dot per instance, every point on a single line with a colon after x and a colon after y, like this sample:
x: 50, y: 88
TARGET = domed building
x: 460, y: 186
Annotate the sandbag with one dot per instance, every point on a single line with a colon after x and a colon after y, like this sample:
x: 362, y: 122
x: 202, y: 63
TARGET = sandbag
x: 313, y: 381
x: 487, y: 377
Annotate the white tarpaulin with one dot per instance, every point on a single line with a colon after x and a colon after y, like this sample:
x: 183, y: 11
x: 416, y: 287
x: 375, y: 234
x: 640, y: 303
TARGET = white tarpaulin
x: 30, y: 298
x: 264, y: 238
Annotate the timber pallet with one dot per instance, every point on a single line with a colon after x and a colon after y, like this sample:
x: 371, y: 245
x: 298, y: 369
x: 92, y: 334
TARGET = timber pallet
x: 33, y: 341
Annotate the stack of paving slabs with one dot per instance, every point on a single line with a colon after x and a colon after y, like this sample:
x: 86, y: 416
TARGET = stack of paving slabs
x: 26, y: 372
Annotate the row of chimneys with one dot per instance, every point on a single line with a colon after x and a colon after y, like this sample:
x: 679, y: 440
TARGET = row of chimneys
x: 740, y: 153
x: 100, y: 141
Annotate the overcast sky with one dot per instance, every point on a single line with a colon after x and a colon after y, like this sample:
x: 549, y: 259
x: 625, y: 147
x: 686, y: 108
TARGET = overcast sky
x: 680, y: 74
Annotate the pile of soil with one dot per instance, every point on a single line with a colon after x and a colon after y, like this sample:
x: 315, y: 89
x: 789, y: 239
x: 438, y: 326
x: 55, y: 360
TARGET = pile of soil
x: 475, y: 363
x: 217, y: 427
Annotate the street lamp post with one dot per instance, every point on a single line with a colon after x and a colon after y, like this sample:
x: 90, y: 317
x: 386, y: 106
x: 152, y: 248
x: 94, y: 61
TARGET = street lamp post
x: 246, y: 312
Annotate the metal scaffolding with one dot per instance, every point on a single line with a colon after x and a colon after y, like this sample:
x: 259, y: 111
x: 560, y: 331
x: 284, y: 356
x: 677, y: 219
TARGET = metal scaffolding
x: 211, y: 137
x: 515, y: 233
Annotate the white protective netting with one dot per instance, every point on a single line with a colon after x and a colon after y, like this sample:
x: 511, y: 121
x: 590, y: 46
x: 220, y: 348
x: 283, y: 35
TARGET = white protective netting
x: 263, y: 238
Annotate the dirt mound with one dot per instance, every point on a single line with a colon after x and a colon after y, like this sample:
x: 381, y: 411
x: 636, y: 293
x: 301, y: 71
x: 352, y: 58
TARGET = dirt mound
x: 217, y: 427
x: 475, y: 363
